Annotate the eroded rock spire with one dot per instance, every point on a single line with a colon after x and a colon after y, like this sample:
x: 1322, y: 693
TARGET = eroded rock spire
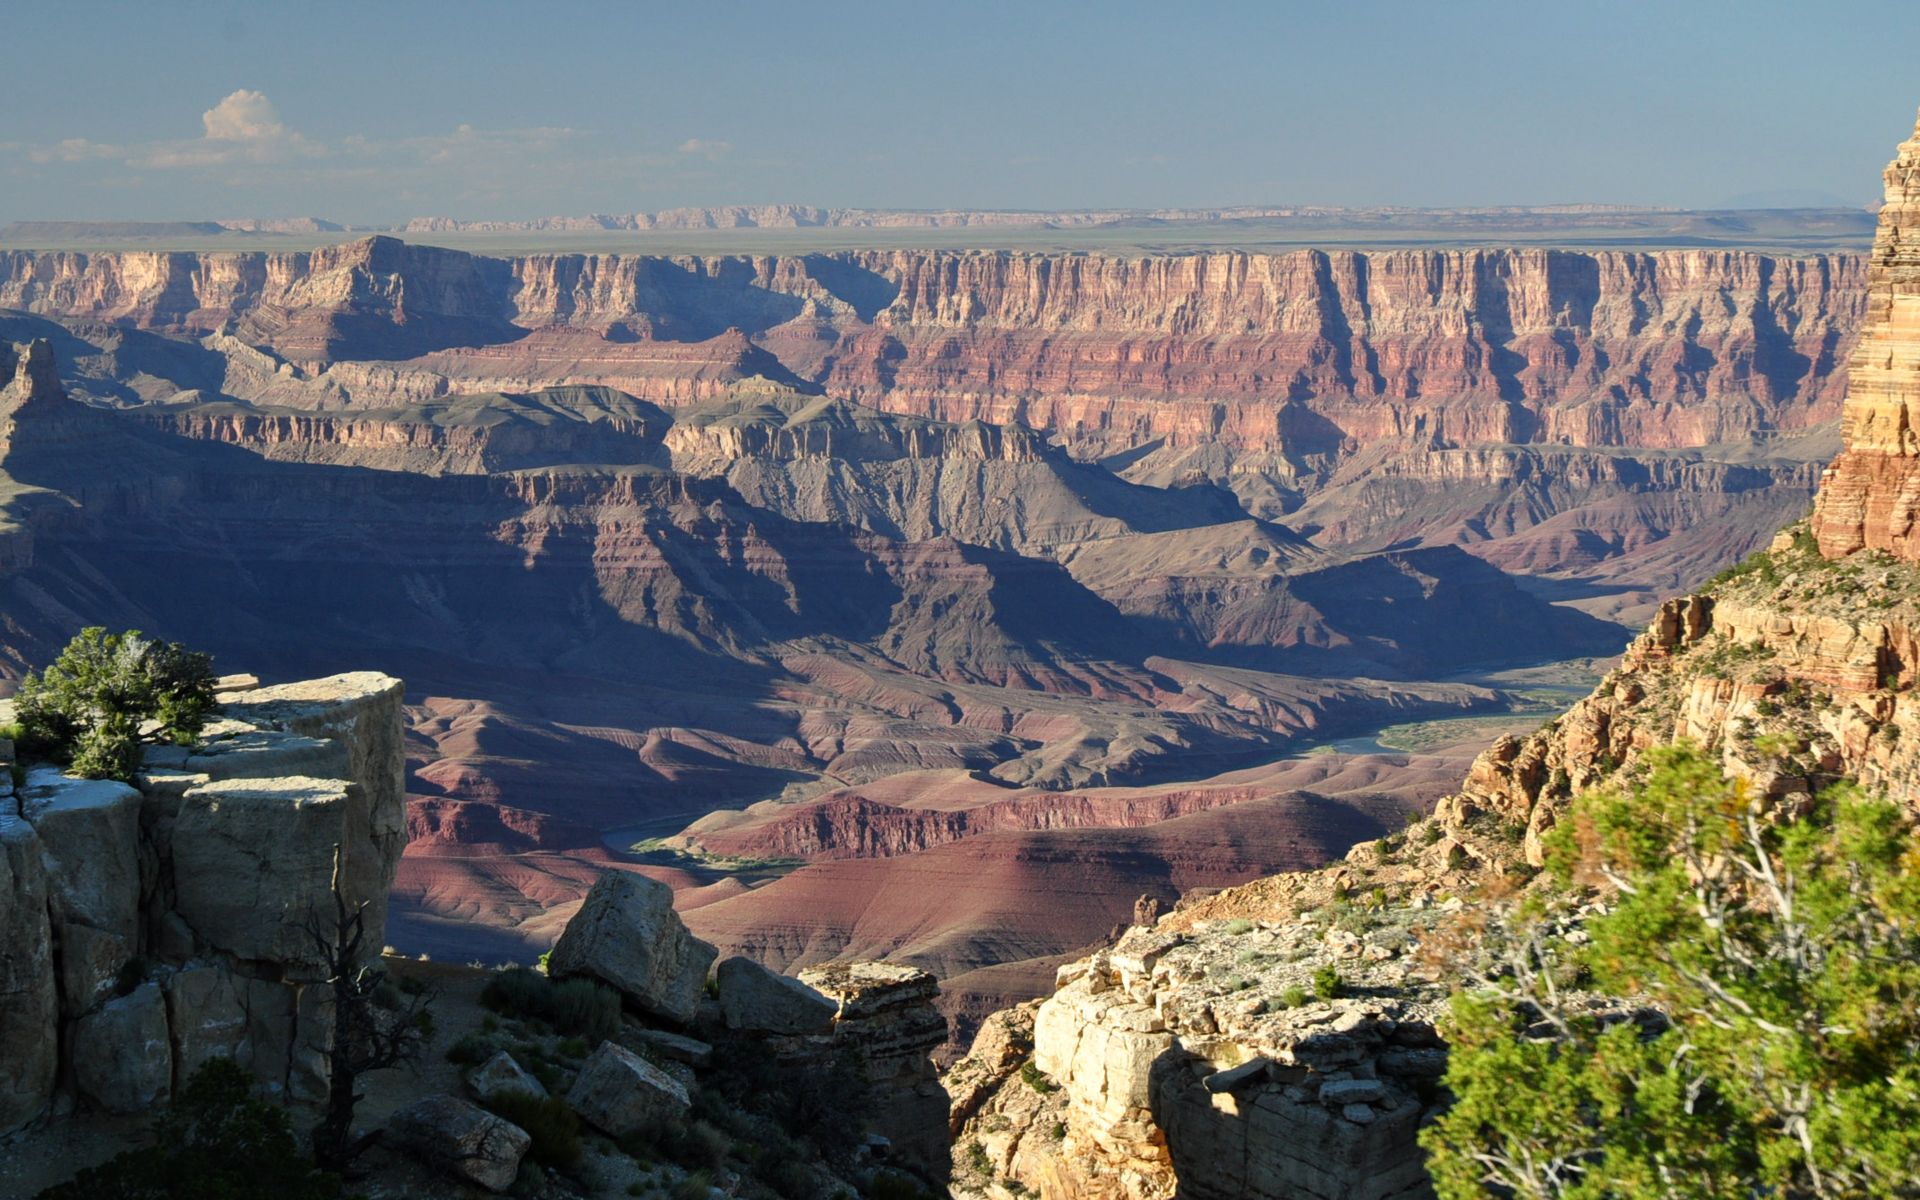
x: 1870, y: 496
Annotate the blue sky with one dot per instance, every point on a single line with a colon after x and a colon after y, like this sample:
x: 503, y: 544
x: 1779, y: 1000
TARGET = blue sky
x: 376, y: 112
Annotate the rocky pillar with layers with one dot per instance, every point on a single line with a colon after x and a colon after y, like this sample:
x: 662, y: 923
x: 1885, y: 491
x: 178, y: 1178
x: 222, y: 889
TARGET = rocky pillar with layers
x: 1870, y: 497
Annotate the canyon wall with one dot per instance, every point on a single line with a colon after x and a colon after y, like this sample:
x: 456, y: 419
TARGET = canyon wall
x: 1304, y: 351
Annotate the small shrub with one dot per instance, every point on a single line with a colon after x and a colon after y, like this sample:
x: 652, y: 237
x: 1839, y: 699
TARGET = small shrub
x: 1036, y: 1079
x: 790, y: 1178
x: 1293, y: 997
x: 554, y: 1128
x: 697, y: 1186
x: 1059, y: 1131
x: 578, y: 1008
x: 215, y: 1140
x: 695, y: 1145
x: 1327, y: 983
x: 471, y: 1050
x: 518, y: 992
x: 977, y: 1158
x: 1237, y: 926
x: 586, y: 1010
x: 890, y: 1185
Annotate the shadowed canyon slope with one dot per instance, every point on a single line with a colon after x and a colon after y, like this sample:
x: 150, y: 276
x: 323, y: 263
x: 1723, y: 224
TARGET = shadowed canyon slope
x: 1029, y: 571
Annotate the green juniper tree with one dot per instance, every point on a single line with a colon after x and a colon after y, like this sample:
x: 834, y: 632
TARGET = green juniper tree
x: 105, y: 695
x: 1766, y: 1036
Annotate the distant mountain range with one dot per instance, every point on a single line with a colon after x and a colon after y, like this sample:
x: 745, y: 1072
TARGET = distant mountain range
x: 1704, y: 226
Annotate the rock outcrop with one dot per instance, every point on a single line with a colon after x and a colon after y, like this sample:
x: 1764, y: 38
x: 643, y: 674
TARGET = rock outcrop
x: 148, y: 928
x: 1870, y: 496
x: 1217, y: 1061
x: 886, y: 1016
x: 878, y: 1017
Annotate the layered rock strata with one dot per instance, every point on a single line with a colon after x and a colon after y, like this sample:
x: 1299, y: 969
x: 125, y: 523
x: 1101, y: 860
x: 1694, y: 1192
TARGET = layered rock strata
x: 1299, y: 352
x: 151, y: 926
x: 1870, y: 496
x: 885, y: 1013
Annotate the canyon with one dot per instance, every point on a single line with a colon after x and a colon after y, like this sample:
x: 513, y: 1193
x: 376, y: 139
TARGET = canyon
x: 799, y: 581
x: 1187, y: 1056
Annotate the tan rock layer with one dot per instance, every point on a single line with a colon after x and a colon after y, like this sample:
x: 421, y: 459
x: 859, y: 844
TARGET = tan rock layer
x: 1871, y: 493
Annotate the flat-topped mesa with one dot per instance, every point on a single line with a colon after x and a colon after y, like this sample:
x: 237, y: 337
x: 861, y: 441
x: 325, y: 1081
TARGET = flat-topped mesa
x: 148, y: 927
x: 1869, y: 497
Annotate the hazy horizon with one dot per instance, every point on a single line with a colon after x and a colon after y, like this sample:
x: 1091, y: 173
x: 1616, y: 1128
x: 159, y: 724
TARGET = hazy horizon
x: 370, y: 117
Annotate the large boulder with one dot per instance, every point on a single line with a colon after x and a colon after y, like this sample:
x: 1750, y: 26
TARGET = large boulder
x: 627, y: 934
x: 253, y: 859
x: 619, y: 1093
x: 756, y: 1000
x: 501, y: 1075
x: 462, y: 1139
x: 122, y: 1056
x: 29, y: 1005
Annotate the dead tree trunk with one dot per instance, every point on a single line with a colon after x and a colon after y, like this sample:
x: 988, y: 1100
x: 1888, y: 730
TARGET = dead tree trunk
x: 366, y: 1035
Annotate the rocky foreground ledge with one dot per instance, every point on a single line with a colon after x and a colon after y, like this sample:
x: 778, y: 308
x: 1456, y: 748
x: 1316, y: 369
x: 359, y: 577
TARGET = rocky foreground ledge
x: 148, y: 927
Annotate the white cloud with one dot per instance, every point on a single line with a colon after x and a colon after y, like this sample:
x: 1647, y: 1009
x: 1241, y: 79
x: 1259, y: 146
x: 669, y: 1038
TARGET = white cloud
x: 243, y: 128
x: 74, y: 150
x: 245, y: 144
x: 707, y: 148
x: 244, y: 116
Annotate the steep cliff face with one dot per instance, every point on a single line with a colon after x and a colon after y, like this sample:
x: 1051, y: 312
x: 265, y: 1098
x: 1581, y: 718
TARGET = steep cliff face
x: 1457, y: 346
x: 1870, y: 495
x: 153, y: 926
x: 1548, y: 409
x: 1302, y: 350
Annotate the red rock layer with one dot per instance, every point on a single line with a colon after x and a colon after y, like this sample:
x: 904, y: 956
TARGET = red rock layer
x: 1871, y: 494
